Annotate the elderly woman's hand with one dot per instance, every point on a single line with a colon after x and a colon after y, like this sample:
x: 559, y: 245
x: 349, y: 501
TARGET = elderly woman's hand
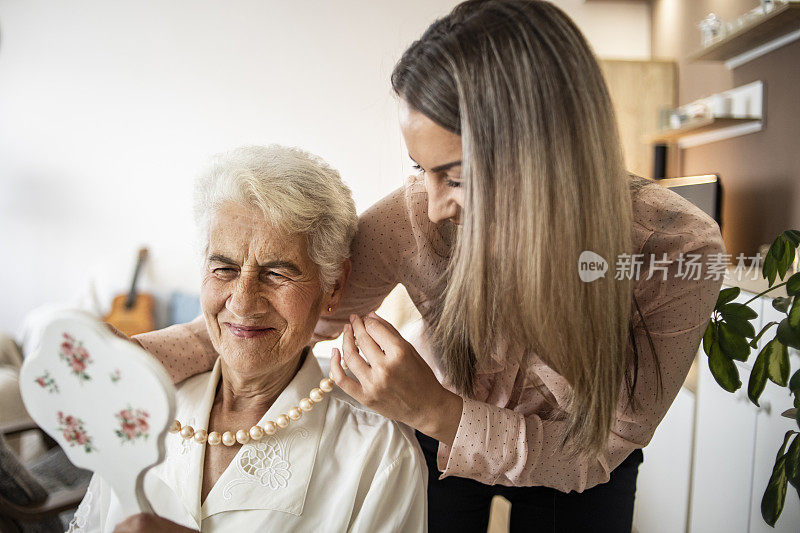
x: 149, y: 523
x: 394, y: 380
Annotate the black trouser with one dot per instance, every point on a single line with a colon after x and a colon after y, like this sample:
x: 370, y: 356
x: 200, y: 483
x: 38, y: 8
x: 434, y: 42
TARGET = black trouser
x: 462, y: 505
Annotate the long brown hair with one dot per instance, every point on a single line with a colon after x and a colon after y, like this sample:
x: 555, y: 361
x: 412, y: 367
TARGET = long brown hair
x: 544, y: 180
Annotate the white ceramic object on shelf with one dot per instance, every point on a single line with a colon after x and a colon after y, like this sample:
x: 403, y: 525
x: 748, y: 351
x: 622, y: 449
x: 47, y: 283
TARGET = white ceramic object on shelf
x: 103, y: 399
x: 710, y: 29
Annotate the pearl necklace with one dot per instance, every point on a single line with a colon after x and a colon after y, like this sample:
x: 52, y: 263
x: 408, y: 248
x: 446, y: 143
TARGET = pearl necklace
x: 243, y: 436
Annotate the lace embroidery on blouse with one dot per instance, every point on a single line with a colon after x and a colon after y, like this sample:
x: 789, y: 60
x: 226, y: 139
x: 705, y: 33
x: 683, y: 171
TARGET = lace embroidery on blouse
x: 78, y: 522
x: 265, y: 463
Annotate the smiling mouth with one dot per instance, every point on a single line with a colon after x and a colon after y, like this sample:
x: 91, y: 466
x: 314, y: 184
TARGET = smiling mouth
x: 247, y: 332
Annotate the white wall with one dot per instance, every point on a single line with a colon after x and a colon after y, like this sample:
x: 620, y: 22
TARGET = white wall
x: 108, y: 108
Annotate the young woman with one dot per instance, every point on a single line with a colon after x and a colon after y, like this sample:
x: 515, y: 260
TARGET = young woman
x: 530, y: 379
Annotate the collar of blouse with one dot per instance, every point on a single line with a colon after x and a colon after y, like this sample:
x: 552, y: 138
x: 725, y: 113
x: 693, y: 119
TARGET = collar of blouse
x: 270, y: 474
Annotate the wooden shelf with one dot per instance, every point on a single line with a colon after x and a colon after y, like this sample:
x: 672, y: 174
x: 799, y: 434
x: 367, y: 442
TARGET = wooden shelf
x: 780, y: 21
x: 695, y: 126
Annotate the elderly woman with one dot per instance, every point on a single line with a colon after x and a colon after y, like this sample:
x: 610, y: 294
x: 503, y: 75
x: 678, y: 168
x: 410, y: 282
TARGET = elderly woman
x: 262, y: 442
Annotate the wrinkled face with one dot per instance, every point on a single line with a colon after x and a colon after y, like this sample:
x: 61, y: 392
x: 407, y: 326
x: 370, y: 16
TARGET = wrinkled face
x: 261, y: 294
x: 437, y: 153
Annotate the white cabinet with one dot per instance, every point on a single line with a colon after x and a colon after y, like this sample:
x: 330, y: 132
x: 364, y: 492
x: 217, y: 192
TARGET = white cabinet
x: 725, y: 426
x: 770, y: 429
x: 736, y: 443
x: 710, y: 460
x: 662, y: 488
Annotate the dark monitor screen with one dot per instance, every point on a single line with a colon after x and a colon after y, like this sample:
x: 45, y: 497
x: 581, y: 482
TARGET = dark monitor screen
x: 703, y: 191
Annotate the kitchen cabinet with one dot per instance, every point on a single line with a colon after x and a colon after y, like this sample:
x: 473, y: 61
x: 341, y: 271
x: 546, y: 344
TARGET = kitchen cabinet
x: 710, y: 459
x: 770, y: 429
x: 662, y: 488
x: 724, y: 446
x: 725, y: 426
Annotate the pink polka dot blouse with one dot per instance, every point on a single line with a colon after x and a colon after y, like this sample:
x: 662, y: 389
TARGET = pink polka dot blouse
x: 510, y: 428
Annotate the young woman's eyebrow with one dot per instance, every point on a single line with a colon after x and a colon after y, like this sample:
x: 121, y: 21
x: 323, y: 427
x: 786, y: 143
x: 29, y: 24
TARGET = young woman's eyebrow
x: 440, y: 168
x: 446, y: 166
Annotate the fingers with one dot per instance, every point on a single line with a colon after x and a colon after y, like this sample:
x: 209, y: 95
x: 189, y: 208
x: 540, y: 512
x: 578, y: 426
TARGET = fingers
x: 369, y: 348
x: 354, y: 361
x: 350, y: 386
x: 383, y: 333
x: 386, y: 323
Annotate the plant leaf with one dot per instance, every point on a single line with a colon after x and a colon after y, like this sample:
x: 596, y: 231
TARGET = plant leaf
x: 776, y: 253
x: 793, y: 236
x: 727, y: 295
x: 793, y: 462
x: 793, y: 284
x: 775, y: 495
x: 770, y: 269
x: 741, y: 326
x: 794, y: 383
x: 777, y: 362
x: 737, y: 311
x: 733, y: 345
x: 782, y: 304
x: 787, y: 257
x: 709, y: 336
x: 786, y: 334
x: 776, y: 248
x: 794, y: 316
x: 723, y: 369
x: 782, y: 449
x: 758, y: 376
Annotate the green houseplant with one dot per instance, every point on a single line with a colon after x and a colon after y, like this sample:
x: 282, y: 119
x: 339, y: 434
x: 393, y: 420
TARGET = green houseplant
x: 730, y: 337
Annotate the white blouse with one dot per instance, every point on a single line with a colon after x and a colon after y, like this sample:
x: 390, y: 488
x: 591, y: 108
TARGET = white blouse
x: 338, y: 468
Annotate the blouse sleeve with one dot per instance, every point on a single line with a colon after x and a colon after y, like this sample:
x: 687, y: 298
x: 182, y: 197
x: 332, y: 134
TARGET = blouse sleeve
x: 383, y: 240
x: 183, y: 349
x: 518, y: 447
x: 396, y: 499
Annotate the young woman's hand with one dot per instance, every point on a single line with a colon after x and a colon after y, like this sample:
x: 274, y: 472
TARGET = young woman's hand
x: 393, y: 379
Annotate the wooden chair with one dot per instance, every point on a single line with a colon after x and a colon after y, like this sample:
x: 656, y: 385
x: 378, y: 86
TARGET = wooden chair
x: 25, y: 504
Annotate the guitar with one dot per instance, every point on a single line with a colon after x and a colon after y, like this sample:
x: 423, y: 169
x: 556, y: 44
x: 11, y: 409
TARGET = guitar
x: 132, y: 313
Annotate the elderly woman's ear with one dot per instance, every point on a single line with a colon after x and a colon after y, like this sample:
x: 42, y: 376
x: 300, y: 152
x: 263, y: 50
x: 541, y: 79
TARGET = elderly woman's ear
x: 335, y: 293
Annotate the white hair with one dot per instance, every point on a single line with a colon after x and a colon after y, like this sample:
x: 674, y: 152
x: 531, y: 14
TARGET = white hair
x: 296, y: 191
